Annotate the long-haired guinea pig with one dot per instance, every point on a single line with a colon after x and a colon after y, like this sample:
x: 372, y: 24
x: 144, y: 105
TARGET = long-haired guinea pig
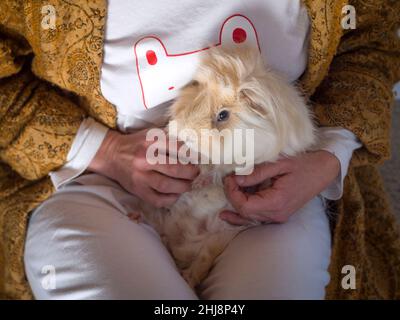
x: 232, y: 91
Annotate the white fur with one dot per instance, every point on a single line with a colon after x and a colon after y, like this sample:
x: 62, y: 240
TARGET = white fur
x: 258, y: 99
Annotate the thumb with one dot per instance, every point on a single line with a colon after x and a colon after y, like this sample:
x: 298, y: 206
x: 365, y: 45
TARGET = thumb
x: 260, y: 173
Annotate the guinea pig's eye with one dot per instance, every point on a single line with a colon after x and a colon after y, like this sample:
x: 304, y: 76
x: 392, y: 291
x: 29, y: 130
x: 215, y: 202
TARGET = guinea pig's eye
x: 223, y: 115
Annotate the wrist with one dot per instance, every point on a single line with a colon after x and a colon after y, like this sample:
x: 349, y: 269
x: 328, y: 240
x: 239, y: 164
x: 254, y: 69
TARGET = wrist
x: 331, y: 162
x: 103, y: 161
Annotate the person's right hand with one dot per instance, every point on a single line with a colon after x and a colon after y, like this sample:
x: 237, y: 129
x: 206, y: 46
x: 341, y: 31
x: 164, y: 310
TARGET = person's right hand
x: 122, y: 157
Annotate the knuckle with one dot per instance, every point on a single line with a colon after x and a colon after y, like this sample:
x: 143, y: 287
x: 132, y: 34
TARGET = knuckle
x: 137, y: 152
x: 144, y: 144
x: 137, y: 162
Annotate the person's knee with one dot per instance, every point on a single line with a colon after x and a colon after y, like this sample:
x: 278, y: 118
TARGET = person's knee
x: 272, y: 262
x: 59, y: 251
x: 96, y: 252
x: 278, y: 280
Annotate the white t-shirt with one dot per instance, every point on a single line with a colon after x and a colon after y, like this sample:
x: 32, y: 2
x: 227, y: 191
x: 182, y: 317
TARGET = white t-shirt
x: 152, y: 49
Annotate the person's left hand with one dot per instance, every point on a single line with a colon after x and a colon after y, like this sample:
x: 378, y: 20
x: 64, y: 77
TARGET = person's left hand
x: 295, y: 181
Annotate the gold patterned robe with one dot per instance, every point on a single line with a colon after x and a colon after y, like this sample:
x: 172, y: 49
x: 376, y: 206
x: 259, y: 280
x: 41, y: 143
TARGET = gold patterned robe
x: 49, y: 81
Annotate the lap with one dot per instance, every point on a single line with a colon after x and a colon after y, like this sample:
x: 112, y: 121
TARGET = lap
x: 276, y: 261
x: 98, y: 253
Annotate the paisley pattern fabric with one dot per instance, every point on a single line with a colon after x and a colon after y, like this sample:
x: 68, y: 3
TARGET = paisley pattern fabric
x: 49, y: 81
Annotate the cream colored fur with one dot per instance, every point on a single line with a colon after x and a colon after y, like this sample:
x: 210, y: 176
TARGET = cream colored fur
x: 257, y: 98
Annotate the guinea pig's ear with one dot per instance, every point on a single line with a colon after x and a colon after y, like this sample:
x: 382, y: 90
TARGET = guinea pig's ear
x: 252, y: 101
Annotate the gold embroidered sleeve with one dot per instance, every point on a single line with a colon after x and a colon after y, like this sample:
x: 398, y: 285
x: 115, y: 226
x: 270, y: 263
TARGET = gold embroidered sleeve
x: 37, y: 121
x: 357, y: 93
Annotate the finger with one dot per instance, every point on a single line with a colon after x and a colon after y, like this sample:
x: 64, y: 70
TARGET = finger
x: 253, y: 205
x: 236, y: 197
x: 261, y: 173
x: 263, y: 218
x: 159, y: 200
x: 267, y: 202
x: 166, y: 200
x: 235, y: 219
x: 180, y: 171
x: 164, y: 184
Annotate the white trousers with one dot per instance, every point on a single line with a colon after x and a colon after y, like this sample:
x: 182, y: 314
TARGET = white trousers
x: 81, y: 245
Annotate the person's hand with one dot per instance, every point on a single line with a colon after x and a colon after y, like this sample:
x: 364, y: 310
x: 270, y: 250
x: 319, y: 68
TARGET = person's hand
x: 294, y: 182
x: 123, y: 158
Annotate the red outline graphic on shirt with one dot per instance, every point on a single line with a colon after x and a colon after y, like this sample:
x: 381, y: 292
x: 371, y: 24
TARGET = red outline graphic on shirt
x: 189, y: 52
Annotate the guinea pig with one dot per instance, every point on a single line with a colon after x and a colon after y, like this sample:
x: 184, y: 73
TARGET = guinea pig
x: 235, y: 93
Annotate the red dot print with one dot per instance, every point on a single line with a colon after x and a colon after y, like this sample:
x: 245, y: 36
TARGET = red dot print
x: 151, y: 57
x: 239, y: 35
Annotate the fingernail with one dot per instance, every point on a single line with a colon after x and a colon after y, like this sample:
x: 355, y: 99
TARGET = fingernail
x: 239, y: 179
